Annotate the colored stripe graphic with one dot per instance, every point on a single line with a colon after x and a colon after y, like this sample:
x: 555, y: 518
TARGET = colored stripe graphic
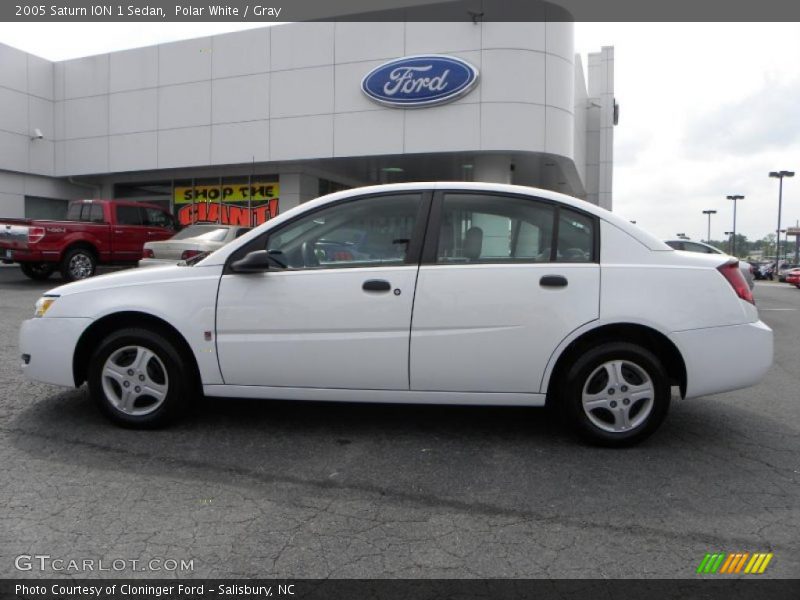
x: 727, y: 564
x: 756, y: 563
x: 700, y: 569
x: 741, y: 562
x: 734, y: 562
x: 767, y: 558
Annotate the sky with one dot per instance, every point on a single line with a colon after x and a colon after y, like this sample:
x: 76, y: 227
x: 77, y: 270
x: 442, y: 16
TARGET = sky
x: 707, y: 110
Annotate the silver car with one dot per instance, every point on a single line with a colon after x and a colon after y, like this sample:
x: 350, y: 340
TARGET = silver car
x: 200, y: 238
x: 692, y: 246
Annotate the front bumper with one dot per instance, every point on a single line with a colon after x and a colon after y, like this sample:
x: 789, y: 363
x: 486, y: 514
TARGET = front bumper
x: 50, y: 343
x: 721, y: 359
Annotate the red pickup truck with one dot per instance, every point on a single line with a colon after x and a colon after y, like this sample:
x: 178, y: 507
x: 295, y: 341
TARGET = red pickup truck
x: 95, y: 232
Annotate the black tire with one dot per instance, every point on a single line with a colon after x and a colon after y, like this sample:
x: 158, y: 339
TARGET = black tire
x: 78, y: 263
x: 37, y: 271
x: 167, y: 369
x: 606, y: 424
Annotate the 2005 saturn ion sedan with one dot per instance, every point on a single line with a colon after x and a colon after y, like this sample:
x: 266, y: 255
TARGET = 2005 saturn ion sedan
x: 447, y: 293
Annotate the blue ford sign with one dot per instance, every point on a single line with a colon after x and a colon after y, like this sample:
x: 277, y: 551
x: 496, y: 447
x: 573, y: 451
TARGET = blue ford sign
x: 419, y: 81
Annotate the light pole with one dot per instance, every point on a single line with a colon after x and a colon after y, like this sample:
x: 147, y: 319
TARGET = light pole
x: 734, y: 198
x: 709, y: 213
x: 730, y: 240
x: 779, y: 175
x: 786, y: 237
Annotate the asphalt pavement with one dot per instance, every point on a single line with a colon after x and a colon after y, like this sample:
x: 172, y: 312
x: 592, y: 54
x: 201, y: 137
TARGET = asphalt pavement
x: 314, y: 490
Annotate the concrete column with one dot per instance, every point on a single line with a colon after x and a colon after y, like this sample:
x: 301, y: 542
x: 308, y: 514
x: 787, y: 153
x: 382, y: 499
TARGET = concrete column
x: 493, y: 168
x: 296, y: 188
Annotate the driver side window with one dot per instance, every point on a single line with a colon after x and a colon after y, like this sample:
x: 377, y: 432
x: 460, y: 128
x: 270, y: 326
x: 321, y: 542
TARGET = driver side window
x: 374, y: 231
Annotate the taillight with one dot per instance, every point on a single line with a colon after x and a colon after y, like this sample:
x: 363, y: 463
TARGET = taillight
x: 730, y: 271
x: 147, y: 253
x: 35, y: 234
x: 187, y: 254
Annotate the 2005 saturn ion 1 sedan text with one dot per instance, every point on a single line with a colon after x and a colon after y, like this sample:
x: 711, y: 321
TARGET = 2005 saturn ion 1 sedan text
x: 459, y: 293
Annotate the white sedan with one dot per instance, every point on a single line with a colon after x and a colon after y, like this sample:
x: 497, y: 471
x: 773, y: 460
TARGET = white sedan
x: 196, y: 239
x: 448, y: 293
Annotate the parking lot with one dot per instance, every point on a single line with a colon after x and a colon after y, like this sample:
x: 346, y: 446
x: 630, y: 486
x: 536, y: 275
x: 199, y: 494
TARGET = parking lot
x: 277, y: 489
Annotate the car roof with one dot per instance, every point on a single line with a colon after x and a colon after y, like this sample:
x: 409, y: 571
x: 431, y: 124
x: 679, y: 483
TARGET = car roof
x: 651, y: 241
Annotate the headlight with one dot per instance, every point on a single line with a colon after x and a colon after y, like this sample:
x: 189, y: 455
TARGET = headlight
x: 43, y: 304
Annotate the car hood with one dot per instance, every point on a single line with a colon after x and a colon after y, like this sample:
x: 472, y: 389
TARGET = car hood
x: 133, y: 277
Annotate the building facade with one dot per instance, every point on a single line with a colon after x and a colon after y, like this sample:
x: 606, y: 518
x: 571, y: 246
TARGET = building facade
x: 237, y: 127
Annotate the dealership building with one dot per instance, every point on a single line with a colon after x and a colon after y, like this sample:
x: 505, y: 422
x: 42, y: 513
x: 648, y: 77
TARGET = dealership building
x: 237, y: 127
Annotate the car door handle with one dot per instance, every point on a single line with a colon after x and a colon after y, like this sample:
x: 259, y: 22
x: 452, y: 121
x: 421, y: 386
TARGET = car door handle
x: 553, y: 281
x: 376, y: 285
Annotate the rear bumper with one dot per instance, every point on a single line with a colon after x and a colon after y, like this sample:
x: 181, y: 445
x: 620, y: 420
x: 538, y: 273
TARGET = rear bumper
x: 50, y: 345
x: 721, y: 359
x: 26, y: 255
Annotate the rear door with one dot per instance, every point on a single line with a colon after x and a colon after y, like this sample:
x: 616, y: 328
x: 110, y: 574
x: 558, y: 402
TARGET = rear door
x: 504, y: 279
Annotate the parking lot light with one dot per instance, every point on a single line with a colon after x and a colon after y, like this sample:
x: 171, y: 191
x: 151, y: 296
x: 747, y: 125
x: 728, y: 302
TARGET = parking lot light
x: 734, y: 198
x: 709, y: 213
x: 779, y: 175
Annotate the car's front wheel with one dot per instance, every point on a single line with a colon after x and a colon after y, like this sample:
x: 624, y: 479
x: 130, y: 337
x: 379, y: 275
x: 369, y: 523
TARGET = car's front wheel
x: 139, y: 378
x: 616, y: 394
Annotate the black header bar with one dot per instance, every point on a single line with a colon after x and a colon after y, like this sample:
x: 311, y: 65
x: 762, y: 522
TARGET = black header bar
x: 708, y: 588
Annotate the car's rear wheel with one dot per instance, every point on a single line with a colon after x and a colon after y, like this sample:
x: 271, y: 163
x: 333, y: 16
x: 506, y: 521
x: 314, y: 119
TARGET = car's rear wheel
x: 139, y: 378
x: 38, y: 271
x: 78, y: 263
x: 616, y: 394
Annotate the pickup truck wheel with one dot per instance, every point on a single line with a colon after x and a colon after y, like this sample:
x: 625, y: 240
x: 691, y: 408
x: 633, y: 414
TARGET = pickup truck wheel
x: 616, y: 394
x: 78, y: 263
x: 138, y: 378
x: 37, y: 271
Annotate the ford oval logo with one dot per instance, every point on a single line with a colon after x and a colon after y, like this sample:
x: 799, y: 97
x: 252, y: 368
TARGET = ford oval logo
x: 419, y: 81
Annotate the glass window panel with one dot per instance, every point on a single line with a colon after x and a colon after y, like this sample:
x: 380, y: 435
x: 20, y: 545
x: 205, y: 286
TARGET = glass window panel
x: 129, y: 215
x: 494, y: 228
x: 362, y: 233
x: 575, y: 237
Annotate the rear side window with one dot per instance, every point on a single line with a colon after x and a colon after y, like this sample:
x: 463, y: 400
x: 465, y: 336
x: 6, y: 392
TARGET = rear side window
x: 129, y: 215
x: 576, y: 233
x: 96, y: 214
x: 691, y: 247
x: 81, y: 211
x: 487, y: 228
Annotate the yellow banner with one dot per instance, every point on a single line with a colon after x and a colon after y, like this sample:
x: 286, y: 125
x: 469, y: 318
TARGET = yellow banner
x: 237, y: 192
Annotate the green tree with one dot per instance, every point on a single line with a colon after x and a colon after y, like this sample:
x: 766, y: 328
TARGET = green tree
x: 768, y: 245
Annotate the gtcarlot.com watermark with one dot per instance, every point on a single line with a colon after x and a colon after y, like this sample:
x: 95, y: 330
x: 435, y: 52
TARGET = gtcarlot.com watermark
x: 45, y: 562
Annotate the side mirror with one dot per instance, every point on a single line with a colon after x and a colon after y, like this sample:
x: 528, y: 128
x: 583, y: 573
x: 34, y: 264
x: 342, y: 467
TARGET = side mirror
x: 257, y: 261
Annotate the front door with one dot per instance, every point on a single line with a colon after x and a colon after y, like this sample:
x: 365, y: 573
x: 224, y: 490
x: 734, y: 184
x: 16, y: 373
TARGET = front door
x: 504, y: 280
x: 338, y: 315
